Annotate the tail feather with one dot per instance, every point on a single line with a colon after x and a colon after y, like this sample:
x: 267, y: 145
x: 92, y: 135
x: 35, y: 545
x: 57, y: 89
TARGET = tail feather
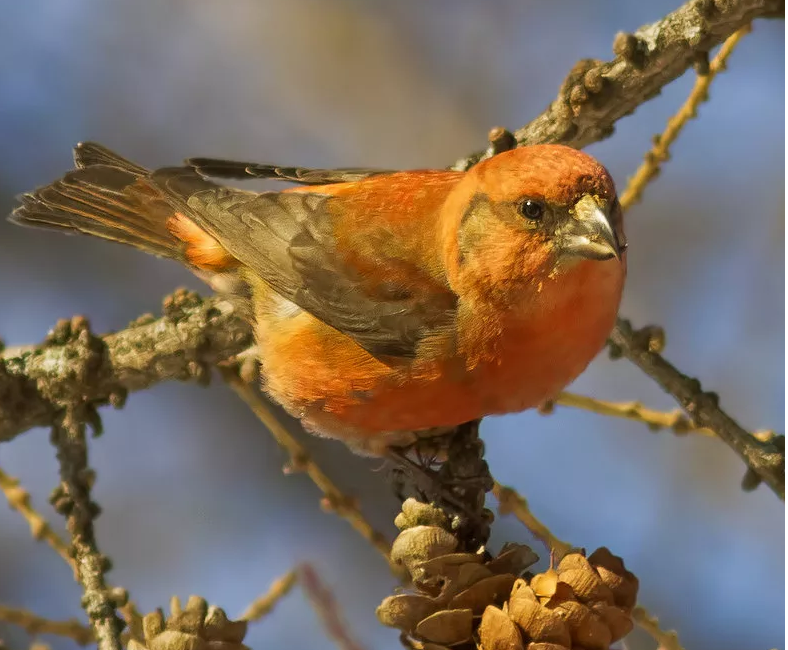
x: 106, y: 196
x: 88, y: 154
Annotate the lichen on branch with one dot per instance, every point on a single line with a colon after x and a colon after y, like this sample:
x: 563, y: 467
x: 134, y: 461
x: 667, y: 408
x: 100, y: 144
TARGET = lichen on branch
x: 193, y: 335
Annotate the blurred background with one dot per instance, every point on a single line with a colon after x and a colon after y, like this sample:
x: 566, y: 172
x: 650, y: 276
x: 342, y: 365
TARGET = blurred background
x: 191, y: 485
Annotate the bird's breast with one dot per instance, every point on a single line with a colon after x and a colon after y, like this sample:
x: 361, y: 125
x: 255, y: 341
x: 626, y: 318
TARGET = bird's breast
x: 493, y: 361
x: 518, y: 358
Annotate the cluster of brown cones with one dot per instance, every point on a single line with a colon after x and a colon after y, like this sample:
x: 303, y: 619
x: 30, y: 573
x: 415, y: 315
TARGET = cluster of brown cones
x: 195, y: 627
x: 469, y: 601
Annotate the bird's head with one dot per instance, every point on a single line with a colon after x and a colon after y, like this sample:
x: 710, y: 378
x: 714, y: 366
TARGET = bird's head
x: 529, y: 215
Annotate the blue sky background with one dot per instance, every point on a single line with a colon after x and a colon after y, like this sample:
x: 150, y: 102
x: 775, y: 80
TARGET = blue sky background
x: 191, y: 484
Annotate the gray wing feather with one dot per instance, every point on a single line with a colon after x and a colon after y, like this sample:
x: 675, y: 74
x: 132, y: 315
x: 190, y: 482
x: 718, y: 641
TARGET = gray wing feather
x: 288, y: 240
x: 219, y: 168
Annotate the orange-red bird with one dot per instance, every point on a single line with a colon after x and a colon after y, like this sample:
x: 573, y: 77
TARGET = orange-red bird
x: 384, y: 303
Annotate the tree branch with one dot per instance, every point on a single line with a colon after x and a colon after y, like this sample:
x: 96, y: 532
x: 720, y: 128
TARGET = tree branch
x: 193, y: 335
x: 766, y: 458
x: 596, y: 94
x: 72, y: 500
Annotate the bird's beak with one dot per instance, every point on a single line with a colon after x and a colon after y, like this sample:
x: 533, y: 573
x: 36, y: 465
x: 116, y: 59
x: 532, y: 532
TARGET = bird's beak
x: 589, y: 233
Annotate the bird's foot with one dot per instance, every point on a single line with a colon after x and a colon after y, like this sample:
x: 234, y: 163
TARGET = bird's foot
x: 454, y: 476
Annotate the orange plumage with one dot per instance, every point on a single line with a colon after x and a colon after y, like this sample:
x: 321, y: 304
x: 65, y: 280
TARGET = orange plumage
x: 391, y: 303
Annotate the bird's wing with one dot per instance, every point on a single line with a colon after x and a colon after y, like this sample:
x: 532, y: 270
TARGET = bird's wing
x: 219, y: 168
x: 290, y: 241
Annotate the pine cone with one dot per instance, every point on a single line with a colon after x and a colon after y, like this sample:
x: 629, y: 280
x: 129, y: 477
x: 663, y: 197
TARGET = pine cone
x: 452, y: 589
x: 473, y: 601
x: 197, y: 627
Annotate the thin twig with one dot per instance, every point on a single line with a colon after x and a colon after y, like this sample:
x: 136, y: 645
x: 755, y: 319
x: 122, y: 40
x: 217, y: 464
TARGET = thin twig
x: 660, y: 152
x: 766, y: 458
x: 675, y: 420
x: 34, y: 645
x: 262, y: 605
x: 133, y: 619
x: 509, y: 501
x: 326, y: 606
x: 74, y: 502
x: 33, y: 625
x: 667, y: 640
x: 300, y: 459
x: 19, y: 500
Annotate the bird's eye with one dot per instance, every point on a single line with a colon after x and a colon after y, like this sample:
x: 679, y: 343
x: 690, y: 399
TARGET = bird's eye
x: 531, y: 209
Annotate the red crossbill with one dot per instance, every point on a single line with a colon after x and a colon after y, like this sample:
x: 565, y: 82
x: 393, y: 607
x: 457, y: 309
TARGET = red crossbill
x: 383, y: 303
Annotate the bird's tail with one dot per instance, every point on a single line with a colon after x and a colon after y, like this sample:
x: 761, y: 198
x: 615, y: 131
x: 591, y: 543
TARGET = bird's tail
x: 106, y: 196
